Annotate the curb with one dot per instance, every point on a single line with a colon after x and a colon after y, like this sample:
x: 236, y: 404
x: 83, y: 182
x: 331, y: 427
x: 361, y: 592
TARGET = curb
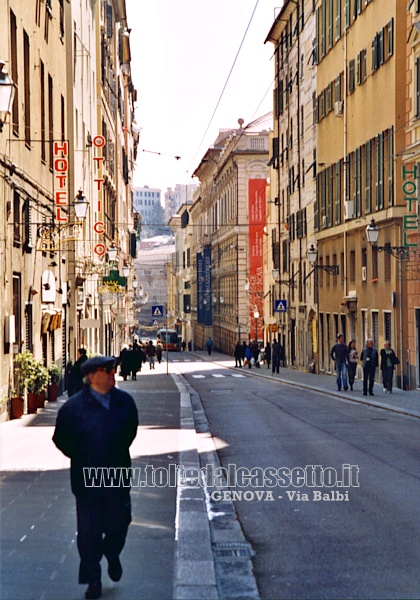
x: 212, y: 556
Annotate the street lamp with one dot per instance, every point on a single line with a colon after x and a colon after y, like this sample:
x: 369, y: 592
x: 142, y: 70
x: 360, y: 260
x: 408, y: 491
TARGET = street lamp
x: 126, y: 271
x: 7, y: 94
x: 80, y: 206
x: 112, y: 252
x: 312, y: 258
x: 135, y: 282
x: 256, y: 316
x: 372, y: 234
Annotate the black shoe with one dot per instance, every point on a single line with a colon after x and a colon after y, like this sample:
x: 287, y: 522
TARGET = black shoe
x: 351, y: 387
x: 371, y: 394
x: 94, y: 590
x: 364, y: 393
x: 115, y: 569
x: 345, y: 388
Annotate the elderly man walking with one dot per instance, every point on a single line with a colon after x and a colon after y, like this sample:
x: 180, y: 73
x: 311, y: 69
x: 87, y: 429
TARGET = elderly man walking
x: 95, y: 429
x: 370, y: 361
x: 340, y: 356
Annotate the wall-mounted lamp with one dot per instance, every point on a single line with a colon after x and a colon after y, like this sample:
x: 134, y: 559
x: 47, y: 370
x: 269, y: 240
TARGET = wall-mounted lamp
x: 372, y: 234
x: 80, y: 206
x: 112, y: 252
x: 7, y: 94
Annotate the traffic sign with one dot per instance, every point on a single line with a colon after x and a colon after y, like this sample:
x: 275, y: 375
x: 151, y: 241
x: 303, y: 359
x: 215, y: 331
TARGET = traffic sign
x: 155, y: 323
x: 274, y: 328
x: 157, y: 311
x: 280, y: 306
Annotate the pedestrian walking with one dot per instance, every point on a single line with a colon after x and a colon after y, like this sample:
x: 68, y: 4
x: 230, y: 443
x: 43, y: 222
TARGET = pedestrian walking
x: 95, y: 429
x: 75, y: 383
x: 388, y: 361
x: 183, y: 345
x: 248, y: 355
x: 159, y: 351
x: 369, y: 358
x: 190, y: 346
x: 209, y: 345
x: 255, y: 353
x: 151, y: 354
x: 237, y: 353
x: 124, y: 362
x: 353, y: 358
x: 340, y: 355
x: 276, y: 352
x: 267, y: 351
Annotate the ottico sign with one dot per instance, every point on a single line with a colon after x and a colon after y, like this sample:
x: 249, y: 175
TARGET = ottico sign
x: 99, y: 226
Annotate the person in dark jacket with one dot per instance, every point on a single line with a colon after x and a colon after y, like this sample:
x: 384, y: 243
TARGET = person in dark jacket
x: 248, y: 355
x: 388, y: 362
x: 369, y: 358
x: 237, y: 353
x: 151, y: 354
x: 76, y: 377
x: 95, y: 429
x: 340, y: 355
x: 209, y: 345
x: 125, y: 362
x: 276, y: 353
x: 267, y: 351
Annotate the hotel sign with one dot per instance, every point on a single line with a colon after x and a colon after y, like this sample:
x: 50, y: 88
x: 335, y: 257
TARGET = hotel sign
x: 409, y: 189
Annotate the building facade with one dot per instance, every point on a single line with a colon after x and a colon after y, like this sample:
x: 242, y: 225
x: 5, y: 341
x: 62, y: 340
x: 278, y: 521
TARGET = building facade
x: 220, y: 247
x: 293, y: 185
x: 176, y: 197
x: 69, y: 141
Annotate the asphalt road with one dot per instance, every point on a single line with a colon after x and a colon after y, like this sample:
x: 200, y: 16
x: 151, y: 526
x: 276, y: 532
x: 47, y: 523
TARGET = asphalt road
x: 366, y: 547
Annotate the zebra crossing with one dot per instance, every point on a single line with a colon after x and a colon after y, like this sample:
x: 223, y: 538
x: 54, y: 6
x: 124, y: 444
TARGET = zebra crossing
x: 218, y: 376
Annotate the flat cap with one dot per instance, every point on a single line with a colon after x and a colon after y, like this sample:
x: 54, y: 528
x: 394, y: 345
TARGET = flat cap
x: 96, y: 362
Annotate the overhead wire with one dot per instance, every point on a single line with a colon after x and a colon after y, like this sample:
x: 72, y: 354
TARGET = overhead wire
x: 225, y: 85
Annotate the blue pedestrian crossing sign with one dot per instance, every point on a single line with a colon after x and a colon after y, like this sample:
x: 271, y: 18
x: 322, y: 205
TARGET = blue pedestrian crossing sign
x: 280, y: 306
x: 157, y: 311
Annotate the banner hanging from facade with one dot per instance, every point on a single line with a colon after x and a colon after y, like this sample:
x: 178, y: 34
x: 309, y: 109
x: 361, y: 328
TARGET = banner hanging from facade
x: 204, y: 307
x: 257, y: 222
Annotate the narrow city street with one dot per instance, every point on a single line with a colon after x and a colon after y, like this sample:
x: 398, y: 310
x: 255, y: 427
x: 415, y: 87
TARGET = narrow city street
x: 38, y: 516
x: 366, y: 547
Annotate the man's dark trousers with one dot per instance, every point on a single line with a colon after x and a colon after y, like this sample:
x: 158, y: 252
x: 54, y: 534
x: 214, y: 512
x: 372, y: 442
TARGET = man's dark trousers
x: 107, y: 516
x: 368, y: 378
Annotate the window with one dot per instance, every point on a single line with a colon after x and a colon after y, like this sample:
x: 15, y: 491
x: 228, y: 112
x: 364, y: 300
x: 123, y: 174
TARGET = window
x: 361, y: 67
x: 338, y: 171
x: 390, y: 36
x: 330, y: 183
x: 13, y: 47
x: 42, y: 108
x: 387, y: 267
x: 330, y: 97
x: 62, y: 18
x: 16, y: 219
x: 374, y: 264
x: 388, y: 326
x: 375, y: 328
x: 338, y: 94
x: 337, y: 19
x: 50, y: 119
x: 27, y: 88
x: 364, y: 325
x: 352, y: 83
x: 368, y: 176
x: 390, y: 166
x: 352, y: 266
x: 358, y: 183
x: 38, y: 12
x: 346, y: 14
x: 379, y: 170
x: 330, y: 23
x: 323, y: 27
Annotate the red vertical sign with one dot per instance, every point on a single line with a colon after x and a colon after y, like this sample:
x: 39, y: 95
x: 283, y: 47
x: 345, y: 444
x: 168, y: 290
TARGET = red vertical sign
x: 257, y: 222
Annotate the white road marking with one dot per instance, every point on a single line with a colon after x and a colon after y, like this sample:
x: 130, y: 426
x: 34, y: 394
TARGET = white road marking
x: 199, y: 376
x: 233, y: 375
x: 22, y: 538
x: 218, y: 375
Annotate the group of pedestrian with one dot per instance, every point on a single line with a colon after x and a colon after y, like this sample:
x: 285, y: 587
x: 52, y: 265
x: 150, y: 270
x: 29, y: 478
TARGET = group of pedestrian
x: 346, y: 359
x: 254, y: 354
x: 133, y: 357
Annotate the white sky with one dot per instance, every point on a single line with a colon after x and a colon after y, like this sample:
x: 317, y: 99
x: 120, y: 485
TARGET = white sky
x: 182, y: 52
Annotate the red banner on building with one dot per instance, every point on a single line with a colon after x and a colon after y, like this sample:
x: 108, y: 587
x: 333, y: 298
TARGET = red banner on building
x: 257, y: 222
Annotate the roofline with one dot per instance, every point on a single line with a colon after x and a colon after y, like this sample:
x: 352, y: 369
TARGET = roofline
x: 269, y: 37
